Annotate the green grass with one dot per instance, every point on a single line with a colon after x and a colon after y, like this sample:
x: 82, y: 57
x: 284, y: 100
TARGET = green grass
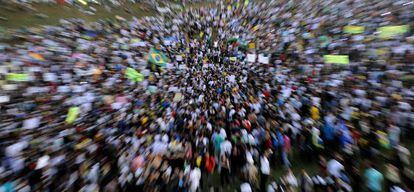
x: 18, y: 18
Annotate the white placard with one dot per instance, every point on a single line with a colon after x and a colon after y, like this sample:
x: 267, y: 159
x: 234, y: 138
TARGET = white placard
x: 263, y: 59
x: 63, y: 89
x: 139, y: 44
x: 32, y: 90
x: 34, y: 69
x: 167, y: 42
x: 182, y: 67
x: 4, y: 99
x: 9, y: 87
x: 169, y: 66
x: 173, y: 89
x: 251, y: 58
x: 116, y: 105
x: 163, y: 9
x: 3, y: 70
x: 51, y: 77
x: 31, y: 123
x: 67, y: 77
x: 179, y: 57
x: 232, y: 78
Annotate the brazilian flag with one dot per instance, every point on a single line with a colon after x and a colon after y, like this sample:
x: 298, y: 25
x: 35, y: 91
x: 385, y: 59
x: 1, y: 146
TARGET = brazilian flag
x: 156, y: 57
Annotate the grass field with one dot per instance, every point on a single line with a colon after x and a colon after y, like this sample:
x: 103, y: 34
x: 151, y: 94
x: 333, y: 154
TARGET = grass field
x: 15, y: 17
x: 18, y: 18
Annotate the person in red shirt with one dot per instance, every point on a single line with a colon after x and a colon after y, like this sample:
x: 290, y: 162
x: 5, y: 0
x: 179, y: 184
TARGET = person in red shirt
x: 210, y: 164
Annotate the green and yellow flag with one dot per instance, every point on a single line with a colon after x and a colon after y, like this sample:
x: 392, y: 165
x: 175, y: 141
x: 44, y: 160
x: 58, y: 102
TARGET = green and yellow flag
x: 134, y: 75
x: 157, y: 57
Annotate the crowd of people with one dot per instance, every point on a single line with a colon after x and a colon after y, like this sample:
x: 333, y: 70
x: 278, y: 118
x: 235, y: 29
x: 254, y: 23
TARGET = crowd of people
x: 212, y: 118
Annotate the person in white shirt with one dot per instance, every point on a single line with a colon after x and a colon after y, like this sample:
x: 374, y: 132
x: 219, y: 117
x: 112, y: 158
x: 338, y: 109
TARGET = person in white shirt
x: 245, y: 187
x: 194, y: 179
x: 335, y: 167
x: 264, y: 170
x: 225, y: 147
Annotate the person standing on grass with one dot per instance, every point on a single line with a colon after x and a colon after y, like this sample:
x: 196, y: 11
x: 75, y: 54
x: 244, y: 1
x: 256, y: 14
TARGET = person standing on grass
x: 373, y: 178
x: 264, y: 170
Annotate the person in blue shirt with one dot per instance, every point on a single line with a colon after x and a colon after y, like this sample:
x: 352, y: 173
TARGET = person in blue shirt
x: 373, y: 179
x: 7, y: 187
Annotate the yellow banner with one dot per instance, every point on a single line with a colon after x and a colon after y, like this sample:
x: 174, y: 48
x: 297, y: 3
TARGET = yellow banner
x: 351, y: 29
x: 391, y: 31
x: 336, y: 59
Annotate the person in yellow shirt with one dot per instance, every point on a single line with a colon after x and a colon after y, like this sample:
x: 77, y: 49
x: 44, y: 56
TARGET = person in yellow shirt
x: 314, y: 113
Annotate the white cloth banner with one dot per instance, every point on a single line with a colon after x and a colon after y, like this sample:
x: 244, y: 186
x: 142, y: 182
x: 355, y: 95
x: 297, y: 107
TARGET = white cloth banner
x: 31, y: 123
x: 4, y: 99
x: 251, y: 58
x: 263, y: 59
x: 51, y: 77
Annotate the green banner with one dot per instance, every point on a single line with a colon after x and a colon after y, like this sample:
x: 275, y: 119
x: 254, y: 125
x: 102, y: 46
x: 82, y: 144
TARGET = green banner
x: 391, y: 31
x: 134, y: 75
x: 351, y: 29
x: 336, y: 59
x: 72, y: 114
x: 17, y: 77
